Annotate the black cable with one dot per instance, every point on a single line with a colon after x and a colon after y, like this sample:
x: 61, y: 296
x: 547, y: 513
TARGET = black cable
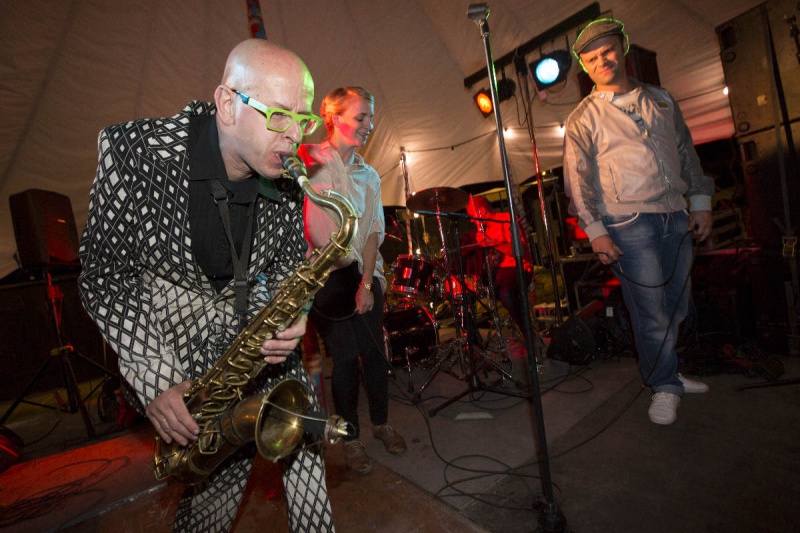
x: 44, y: 501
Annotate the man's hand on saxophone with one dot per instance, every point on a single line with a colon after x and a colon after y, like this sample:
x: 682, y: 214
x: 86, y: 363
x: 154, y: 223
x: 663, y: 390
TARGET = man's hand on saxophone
x: 276, y: 350
x: 170, y: 416
x: 168, y: 412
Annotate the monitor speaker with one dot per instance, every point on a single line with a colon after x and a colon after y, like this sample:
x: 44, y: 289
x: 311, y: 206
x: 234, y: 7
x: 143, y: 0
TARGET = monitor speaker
x: 576, y: 340
x: 44, y: 227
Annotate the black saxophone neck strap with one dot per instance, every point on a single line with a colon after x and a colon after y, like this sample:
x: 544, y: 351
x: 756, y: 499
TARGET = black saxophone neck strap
x: 240, y: 259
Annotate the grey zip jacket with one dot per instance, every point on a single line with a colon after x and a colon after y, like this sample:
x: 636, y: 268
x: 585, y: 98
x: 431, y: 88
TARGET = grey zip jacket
x: 629, y: 154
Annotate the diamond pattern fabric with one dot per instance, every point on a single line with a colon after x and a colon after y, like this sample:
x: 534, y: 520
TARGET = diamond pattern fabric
x: 160, y: 314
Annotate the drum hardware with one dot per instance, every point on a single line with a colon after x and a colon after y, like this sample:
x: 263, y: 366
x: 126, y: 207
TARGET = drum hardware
x: 411, y: 335
x: 494, y: 319
x: 465, y: 348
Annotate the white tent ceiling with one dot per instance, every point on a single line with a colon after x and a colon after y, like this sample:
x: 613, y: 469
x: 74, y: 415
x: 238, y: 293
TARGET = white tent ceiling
x: 69, y: 68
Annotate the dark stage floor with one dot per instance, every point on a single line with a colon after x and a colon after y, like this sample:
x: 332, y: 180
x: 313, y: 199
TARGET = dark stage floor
x: 730, y: 463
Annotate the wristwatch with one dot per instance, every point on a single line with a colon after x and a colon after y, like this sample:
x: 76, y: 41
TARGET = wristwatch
x: 367, y: 286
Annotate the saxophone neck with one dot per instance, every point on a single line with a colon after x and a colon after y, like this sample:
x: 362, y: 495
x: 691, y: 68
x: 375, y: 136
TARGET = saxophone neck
x: 330, y: 200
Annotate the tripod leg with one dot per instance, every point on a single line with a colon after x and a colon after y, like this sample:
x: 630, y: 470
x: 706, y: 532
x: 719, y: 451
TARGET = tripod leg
x: 449, y: 402
x: 435, y: 370
x: 408, y: 370
x: 98, y: 366
x: 504, y: 375
x: 25, y: 391
x: 74, y: 393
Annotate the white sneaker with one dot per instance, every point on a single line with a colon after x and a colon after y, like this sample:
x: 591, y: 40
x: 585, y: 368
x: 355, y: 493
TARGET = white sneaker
x: 691, y: 386
x: 664, y: 408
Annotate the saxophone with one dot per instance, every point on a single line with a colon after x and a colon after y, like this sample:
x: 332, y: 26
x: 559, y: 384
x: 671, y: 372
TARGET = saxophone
x: 276, y: 420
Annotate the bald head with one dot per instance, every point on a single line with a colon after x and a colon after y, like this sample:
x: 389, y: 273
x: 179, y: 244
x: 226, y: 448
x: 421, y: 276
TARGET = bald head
x: 253, y: 62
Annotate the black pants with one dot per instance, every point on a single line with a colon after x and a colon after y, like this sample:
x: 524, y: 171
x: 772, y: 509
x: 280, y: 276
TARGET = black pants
x: 347, y: 336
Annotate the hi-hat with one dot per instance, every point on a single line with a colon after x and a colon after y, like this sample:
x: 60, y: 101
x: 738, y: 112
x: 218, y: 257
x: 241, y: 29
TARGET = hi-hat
x: 443, y: 199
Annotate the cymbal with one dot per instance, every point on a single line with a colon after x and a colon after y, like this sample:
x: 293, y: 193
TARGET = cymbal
x: 482, y: 245
x: 443, y: 199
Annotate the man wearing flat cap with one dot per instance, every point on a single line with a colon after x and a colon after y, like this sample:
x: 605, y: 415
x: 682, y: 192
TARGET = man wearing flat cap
x: 636, y: 186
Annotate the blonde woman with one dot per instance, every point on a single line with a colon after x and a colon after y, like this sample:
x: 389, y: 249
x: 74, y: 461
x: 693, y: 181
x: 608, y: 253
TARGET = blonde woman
x: 348, y: 311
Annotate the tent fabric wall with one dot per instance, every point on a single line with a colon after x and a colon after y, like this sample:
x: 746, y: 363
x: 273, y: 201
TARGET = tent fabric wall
x: 67, y: 69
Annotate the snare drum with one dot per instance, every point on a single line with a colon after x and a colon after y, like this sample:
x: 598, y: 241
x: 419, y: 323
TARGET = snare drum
x: 410, y: 330
x: 413, y: 277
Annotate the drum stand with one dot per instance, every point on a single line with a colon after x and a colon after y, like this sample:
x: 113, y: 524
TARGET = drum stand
x: 494, y: 316
x: 463, y: 346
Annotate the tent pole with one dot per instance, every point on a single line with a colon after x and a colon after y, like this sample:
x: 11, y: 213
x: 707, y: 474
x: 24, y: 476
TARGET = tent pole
x: 550, y: 517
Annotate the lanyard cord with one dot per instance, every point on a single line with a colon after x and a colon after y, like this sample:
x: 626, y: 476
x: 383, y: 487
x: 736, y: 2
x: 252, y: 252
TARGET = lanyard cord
x: 239, y: 260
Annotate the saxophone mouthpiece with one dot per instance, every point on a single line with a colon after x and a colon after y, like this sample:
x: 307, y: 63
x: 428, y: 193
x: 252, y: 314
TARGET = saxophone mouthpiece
x: 293, y: 166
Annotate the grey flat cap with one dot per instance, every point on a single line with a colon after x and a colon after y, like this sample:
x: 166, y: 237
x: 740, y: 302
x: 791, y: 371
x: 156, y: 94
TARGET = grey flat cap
x: 595, y: 30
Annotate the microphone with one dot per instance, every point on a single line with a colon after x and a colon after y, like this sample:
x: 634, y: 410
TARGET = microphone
x: 478, y: 11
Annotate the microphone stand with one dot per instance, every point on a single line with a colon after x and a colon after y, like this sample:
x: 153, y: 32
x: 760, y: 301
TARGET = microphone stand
x: 550, y: 517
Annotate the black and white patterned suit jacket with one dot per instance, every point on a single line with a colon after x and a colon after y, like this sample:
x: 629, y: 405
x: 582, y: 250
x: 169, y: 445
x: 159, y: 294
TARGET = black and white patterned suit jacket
x: 140, y: 282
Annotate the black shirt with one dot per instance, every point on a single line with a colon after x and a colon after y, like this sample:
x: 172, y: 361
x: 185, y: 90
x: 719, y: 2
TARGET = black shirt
x: 210, y: 244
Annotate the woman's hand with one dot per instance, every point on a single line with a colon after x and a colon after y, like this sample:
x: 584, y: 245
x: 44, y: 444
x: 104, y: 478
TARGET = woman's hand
x: 365, y: 300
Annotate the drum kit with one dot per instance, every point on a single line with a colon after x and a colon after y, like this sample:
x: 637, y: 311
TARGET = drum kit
x: 429, y: 290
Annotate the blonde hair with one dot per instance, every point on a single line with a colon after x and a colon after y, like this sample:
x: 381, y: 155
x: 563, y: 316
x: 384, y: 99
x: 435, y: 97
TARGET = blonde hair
x: 336, y: 101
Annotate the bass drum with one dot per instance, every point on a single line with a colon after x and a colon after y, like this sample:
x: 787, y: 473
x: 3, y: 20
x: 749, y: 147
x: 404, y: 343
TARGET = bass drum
x: 410, y: 332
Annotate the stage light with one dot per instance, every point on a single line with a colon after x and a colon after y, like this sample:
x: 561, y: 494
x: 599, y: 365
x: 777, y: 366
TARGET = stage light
x: 551, y: 68
x: 483, y: 99
x: 484, y: 102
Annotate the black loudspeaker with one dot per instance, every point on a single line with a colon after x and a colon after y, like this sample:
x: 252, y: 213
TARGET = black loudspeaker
x: 756, y: 83
x: 44, y: 227
x: 764, y: 186
x: 576, y: 340
x: 640, y: 63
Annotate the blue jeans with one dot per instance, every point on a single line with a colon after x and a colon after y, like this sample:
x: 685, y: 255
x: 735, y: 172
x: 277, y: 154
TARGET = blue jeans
x: 654, y: 271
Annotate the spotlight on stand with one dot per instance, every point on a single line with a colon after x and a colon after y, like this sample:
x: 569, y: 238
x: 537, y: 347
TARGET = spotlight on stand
x: 551, y: 68
x: 483, y: 98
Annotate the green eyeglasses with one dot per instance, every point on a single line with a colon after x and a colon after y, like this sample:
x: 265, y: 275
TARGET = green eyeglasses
x: 279, y: 119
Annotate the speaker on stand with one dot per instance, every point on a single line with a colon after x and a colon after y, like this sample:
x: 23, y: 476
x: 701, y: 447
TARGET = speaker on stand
x: 47, y: 239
